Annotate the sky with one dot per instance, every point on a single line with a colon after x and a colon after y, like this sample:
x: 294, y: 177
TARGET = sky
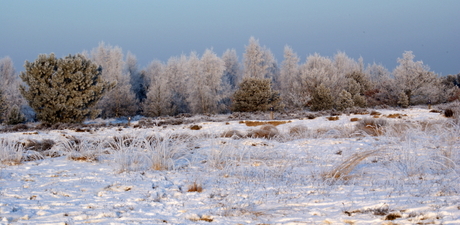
x: 379, y: 31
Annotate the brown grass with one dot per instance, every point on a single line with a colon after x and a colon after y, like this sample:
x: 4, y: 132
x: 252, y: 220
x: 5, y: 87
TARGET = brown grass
x: 332, y: 118
x: 396, y: 115
x: 266, y: 131
x: 232, y: 134
x: 375, y: 113
x: 195, y: 127
x: 343, y: 170
x: 354, y: 119
x: 393, y: 216
x: 372, y: 126
x: 298, y: 130
x: 195, y: 187
x: 39, y: 146
x: 258, y: 123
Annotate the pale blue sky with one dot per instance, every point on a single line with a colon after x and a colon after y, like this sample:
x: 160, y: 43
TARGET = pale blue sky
x: 379, y: 31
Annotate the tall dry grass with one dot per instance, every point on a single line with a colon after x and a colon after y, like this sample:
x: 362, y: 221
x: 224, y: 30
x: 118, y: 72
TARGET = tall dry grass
x: 11, y: 152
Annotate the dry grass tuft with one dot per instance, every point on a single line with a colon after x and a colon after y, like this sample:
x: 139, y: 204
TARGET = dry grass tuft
x: 232, y: 134
x: 375, y: 113
x: 435, y: 111
x: 195, y: 187
x: 195, y: 127
x: 332, y: 118
x: 396, y: 115
x: 354, y: 119
x: 298, y: 130
x: 39, y: 146
x: 119, y: 142
x: 258, y: 123
x: 343, y: 170
x: 11, y: 152
x: 266, y: 131
x: 393, y: 216
x: 372, y: 126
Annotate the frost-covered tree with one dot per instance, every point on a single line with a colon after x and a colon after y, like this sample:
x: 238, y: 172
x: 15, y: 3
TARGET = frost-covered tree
x: 315, y: 71
x: 403, y: 99
x: 137, y: 79
x: 232, y: 76
x: 255, y: 94
x: 2, y: 107
x: 15, y: 116
x: 259, y: 62
x: 416, y: 81
x: 358, y: 85
x: 176, y: 72
x: 321, y: 99
x: 213, y: 70
x: 121, y: 100
x: 292, y: 92
x: 9, y: 86
x: 205, y: 86
x: 159, y: 100
x: 384, y: 91
x: 344, y: 101
x: 233, y: 72
x: 62, y: 89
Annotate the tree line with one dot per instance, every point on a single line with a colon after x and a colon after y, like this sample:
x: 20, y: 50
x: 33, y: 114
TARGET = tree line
x: 106, y: 83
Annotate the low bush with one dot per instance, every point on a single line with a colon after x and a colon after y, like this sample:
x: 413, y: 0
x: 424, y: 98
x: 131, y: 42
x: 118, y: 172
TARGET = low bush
x: 298, y: 130
x: 372, y: 126
x: 448, y: 113
x: 266, y: 131
x: 232, y: 134
x: 39, y: 146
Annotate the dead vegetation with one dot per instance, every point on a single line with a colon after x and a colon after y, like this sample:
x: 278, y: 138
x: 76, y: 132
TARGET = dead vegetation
x: 396, y: 115
x: 39, y: 145
x: 372, y: 126
x: 375, y: 113
x: 195, y: 127
x: 259, y: 123
x: 232, y: 134
x: 267, y: 131
x: 332, y: 118
x: 195, y: 187
x: 298, y: 130
x: 343, y: 170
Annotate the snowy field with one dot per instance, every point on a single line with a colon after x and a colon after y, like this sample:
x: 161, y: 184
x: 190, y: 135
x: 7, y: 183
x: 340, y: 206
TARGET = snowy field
x: 402, y: 170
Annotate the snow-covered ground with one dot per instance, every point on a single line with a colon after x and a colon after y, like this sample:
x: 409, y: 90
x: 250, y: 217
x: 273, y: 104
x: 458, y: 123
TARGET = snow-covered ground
x: 314, y: 171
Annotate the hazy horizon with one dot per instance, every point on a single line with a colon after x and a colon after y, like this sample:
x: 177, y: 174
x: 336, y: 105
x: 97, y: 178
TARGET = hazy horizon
x: 378, y: 31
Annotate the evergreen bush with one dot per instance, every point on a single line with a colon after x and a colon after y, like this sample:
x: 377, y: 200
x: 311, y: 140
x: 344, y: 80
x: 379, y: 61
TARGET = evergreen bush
x: 321, y: 99
x: 63, y: 89
x: 255, y: 94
